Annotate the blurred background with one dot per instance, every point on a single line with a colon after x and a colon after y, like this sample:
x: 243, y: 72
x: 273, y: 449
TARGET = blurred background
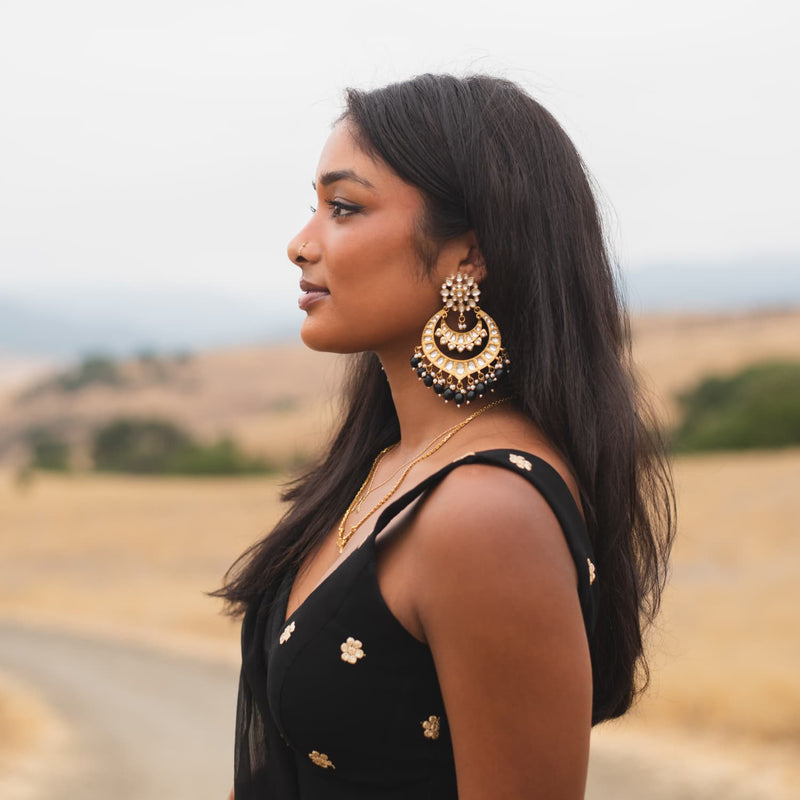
x: 155, y: 159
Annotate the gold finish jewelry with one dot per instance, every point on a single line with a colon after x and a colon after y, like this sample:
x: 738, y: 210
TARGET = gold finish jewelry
x: 375, y: 464
x: 460, y: 293
x: 453, y: 340
x: 455, y: 377
x: 370, y: 488
x: 343, y: 538
x: 300, y: 250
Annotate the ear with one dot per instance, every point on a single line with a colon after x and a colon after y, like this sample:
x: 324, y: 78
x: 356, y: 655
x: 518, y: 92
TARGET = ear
x: 462, y: 254
x: 474, y: 263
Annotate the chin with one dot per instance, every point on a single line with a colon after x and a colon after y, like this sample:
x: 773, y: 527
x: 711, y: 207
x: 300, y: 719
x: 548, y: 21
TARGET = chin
x: 324, y: 339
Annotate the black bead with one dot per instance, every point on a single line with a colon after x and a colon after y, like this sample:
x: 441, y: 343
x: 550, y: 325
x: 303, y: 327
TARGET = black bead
x: 448, y: 394
x: 438, y: 388
x: 415, y: 361
x: 421, y: 372
x: 490, y: 382
x: 498, y: 373
x: 480, y: 388
x: 459, y: 398
x: 470, y: 396
x: 428, y: 380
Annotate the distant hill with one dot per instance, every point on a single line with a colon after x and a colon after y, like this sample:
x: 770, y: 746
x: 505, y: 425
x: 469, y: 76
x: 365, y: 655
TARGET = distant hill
x: 280, y: 400
x: 274, y: 400
x: 71, y: 323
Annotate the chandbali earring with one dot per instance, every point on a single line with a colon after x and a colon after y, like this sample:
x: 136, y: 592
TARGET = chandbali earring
x: 475, y: 360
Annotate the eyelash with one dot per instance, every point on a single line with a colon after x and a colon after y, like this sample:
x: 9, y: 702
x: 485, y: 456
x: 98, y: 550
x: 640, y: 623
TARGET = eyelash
x: 337, y: 207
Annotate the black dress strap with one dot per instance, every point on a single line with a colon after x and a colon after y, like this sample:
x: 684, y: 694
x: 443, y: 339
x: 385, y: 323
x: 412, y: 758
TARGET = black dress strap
x: 550, y: 485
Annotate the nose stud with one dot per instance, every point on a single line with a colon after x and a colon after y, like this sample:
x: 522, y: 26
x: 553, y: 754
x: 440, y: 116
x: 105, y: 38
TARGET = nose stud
x: 300, y: 251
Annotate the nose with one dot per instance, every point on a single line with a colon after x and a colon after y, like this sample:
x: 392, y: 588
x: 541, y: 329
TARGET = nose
x: 302, y: 250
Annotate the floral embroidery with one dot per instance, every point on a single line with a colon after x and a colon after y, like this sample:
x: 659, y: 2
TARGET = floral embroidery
x: 430, y: 727
x: 592, y: 573
x: 321, y: 759
x: 519, y: 461
x: 287, y: 632
x: 351, y: 650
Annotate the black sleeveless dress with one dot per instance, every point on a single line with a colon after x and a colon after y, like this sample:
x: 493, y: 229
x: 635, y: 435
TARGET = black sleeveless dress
x: 340, y: 701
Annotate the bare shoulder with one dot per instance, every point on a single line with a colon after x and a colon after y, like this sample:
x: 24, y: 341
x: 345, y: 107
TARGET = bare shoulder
x: 483, y: 516
x: 496, y: 596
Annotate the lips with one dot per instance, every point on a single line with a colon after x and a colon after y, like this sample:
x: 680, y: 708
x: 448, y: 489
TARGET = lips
x: 312, y: 293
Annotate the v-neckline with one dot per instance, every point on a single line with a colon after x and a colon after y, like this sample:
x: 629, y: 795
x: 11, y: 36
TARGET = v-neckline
x: 369, y: 541
x: 320, y: 584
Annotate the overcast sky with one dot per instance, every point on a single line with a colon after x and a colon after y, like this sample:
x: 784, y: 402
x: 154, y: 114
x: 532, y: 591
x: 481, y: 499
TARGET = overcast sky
x: 166, y: 143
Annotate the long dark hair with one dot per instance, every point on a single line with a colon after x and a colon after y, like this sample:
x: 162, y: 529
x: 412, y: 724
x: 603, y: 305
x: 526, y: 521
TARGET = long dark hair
x: 488, y: 158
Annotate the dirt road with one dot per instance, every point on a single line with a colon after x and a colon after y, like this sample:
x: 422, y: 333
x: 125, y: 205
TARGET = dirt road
x: 146, y: 725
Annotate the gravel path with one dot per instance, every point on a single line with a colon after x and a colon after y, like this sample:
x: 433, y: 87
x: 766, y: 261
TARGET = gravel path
x: 146, y: 725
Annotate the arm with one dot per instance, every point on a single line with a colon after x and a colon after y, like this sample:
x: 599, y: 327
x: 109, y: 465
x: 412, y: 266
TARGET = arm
x: 498, y: 603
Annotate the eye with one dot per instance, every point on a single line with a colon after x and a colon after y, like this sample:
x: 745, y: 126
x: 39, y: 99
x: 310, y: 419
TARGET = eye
x: 340, y: 209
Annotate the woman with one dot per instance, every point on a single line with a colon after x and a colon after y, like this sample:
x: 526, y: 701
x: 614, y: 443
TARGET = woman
x: 458, y: 589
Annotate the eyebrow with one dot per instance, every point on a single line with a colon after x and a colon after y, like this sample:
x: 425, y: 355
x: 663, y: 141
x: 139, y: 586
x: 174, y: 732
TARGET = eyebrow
x: 327, y: 178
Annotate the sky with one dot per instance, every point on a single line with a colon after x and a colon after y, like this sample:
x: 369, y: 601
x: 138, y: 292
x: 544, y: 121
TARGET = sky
x: 172, y: 143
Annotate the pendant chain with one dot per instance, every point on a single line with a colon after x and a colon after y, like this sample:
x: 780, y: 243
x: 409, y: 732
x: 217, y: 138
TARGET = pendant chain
x: 343, y: 538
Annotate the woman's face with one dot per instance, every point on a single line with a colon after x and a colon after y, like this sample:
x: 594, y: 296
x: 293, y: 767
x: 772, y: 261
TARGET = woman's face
x: 364, y: 286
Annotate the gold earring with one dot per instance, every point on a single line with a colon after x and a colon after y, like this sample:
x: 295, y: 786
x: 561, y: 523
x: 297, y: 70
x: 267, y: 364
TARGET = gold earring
x: 454, y: 377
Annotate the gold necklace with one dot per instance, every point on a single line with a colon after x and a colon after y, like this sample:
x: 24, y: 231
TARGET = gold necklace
x: 367, y: 485
x: 343, y: 538
x: 367, y: 489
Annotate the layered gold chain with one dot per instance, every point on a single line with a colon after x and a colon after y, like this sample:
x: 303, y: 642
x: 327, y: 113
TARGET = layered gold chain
x: 343, y: 538
x: 367, y: 489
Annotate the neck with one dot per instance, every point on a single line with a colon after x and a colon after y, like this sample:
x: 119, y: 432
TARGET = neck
x: 422, y: 413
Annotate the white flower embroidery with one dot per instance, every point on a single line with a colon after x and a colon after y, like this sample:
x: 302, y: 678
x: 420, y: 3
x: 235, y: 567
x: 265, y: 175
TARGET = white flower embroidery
x: 430, y: 727
x: 287, y: 632
x: 351, y: 650
x: 320, y: 759
x: 519, y: 461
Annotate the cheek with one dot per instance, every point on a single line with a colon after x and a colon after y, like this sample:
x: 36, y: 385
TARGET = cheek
x: 371, y: 314
x: 377, y: 295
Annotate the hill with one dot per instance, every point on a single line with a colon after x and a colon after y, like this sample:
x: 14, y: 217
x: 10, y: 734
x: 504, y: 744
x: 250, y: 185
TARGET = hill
x: 276, y: 400
x: 280, y: 400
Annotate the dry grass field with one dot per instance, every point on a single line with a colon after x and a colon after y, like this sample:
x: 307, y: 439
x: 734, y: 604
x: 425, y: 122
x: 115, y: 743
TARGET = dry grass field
x: 728, y: 644
x: 129, y: 556
x: 674, y: 352
x: 132, y: 556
